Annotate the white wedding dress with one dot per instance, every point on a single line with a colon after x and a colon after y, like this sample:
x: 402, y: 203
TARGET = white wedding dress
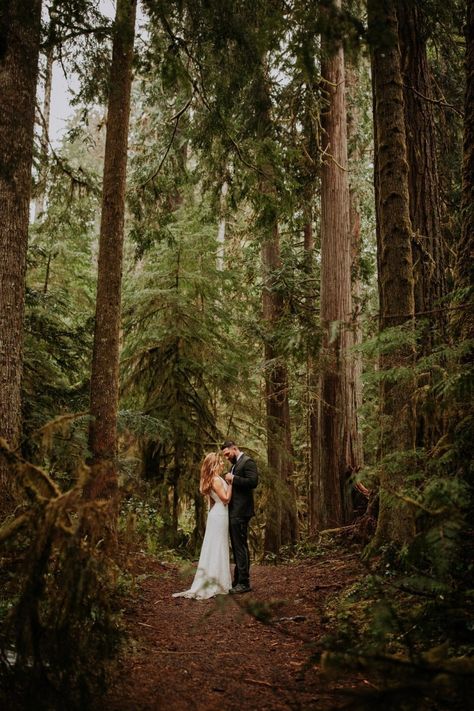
x: 213, y: 571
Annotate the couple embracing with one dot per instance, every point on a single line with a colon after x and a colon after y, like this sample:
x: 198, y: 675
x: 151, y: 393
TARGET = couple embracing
x: 231, y: 508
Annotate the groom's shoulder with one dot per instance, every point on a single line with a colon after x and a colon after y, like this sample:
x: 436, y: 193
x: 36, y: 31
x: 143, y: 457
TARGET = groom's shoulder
x: 246, y: 459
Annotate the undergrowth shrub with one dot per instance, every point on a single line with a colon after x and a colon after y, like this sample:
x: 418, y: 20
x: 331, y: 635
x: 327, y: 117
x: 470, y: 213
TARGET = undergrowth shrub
x: 410, y: 635
x: 408, y: 625
x: 142, y: 525
x: 61, y: 625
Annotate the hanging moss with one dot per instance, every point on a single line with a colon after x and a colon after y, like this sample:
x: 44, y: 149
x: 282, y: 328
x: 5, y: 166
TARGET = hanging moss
x: 62, y: 626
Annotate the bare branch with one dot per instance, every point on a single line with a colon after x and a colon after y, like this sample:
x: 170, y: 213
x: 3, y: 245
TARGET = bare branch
x: 437, y: 102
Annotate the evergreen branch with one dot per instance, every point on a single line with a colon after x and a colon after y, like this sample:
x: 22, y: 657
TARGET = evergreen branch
x: 176, y: 119
x: 178, y: 115
x: 77, y: 32
x: 305, y: 151
x: 59, y: 161
x: 179, y: 43
x: 58, y: 422
x: 60, y: 59
x: 34, y: 478
x: 418, y: 505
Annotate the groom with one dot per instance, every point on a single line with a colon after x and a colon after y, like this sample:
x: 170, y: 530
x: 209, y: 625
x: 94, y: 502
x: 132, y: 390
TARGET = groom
x: 244, y: 478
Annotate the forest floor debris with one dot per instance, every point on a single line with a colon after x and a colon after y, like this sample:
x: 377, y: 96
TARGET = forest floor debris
x: 243, y: 652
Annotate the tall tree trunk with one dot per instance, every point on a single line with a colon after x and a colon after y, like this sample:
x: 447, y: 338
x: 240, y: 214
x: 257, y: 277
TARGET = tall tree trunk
x: 423, y: 183
x: 310, y: 174
x: 429, y: 259
x: 281, y: 523
x: 463, y: 319
x: 337, y: 428
x: 355, y: 157
x: 396, y: 282
x: 105, y: 361
x: 312, y: 384
x: 19, y: 52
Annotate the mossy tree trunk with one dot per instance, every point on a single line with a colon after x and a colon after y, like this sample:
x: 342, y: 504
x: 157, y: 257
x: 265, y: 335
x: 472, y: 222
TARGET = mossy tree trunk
x: 310, y: 176
x: 312, y: 380
x: 281, y: 522
x: 105, y: 363
x: 463, y: 319
x: 423, y: 182
x: 396, y: 282
x: 429, y: 257
x: 19, y: 52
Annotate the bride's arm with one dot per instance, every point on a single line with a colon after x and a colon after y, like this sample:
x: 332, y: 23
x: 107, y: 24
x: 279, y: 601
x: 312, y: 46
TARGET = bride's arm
x: 224, y: 494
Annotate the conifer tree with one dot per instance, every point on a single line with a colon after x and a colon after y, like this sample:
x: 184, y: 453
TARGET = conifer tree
x: 464, y: 323
x: 396, y: 283
x: 428, y: 252
x: 19, y: 51
x: 105, y: 363
x: 355, y: 157
x: 281, y: 524
x: 337, y: 429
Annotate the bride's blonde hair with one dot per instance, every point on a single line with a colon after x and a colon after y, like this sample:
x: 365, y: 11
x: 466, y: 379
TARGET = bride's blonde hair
x: 212, y: 466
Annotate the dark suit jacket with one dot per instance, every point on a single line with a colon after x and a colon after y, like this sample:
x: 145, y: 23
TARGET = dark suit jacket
x: 245, y: 480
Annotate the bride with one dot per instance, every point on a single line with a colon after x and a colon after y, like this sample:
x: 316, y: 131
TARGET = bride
x: 213, y: 571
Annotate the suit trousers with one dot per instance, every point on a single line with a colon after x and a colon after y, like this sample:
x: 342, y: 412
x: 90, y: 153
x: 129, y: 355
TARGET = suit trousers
x: 238, y: 528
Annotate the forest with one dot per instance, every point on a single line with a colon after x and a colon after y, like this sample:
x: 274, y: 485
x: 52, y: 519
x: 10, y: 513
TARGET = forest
x: 257, y: 226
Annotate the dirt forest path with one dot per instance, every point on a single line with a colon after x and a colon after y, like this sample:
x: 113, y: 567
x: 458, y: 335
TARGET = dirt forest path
x: 212, y: 655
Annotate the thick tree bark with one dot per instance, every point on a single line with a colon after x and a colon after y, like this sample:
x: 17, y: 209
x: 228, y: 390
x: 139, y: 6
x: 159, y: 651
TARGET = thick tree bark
x: 19, y: 51
x: 310, y: 173
x: 105, y: 362
x: 396, y: 282
x: 354, y: 157
x: 429, y: 259
x: 281, y: 523
x: 463, y: 319
x: 428, y: 252
x: 336, y: 421
x: 312, y: 383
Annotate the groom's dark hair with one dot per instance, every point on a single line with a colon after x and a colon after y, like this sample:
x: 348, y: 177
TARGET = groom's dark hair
x: 228, y: 443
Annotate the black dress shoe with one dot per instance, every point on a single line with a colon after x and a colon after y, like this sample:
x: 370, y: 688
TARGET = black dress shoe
x: 239, y: 588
